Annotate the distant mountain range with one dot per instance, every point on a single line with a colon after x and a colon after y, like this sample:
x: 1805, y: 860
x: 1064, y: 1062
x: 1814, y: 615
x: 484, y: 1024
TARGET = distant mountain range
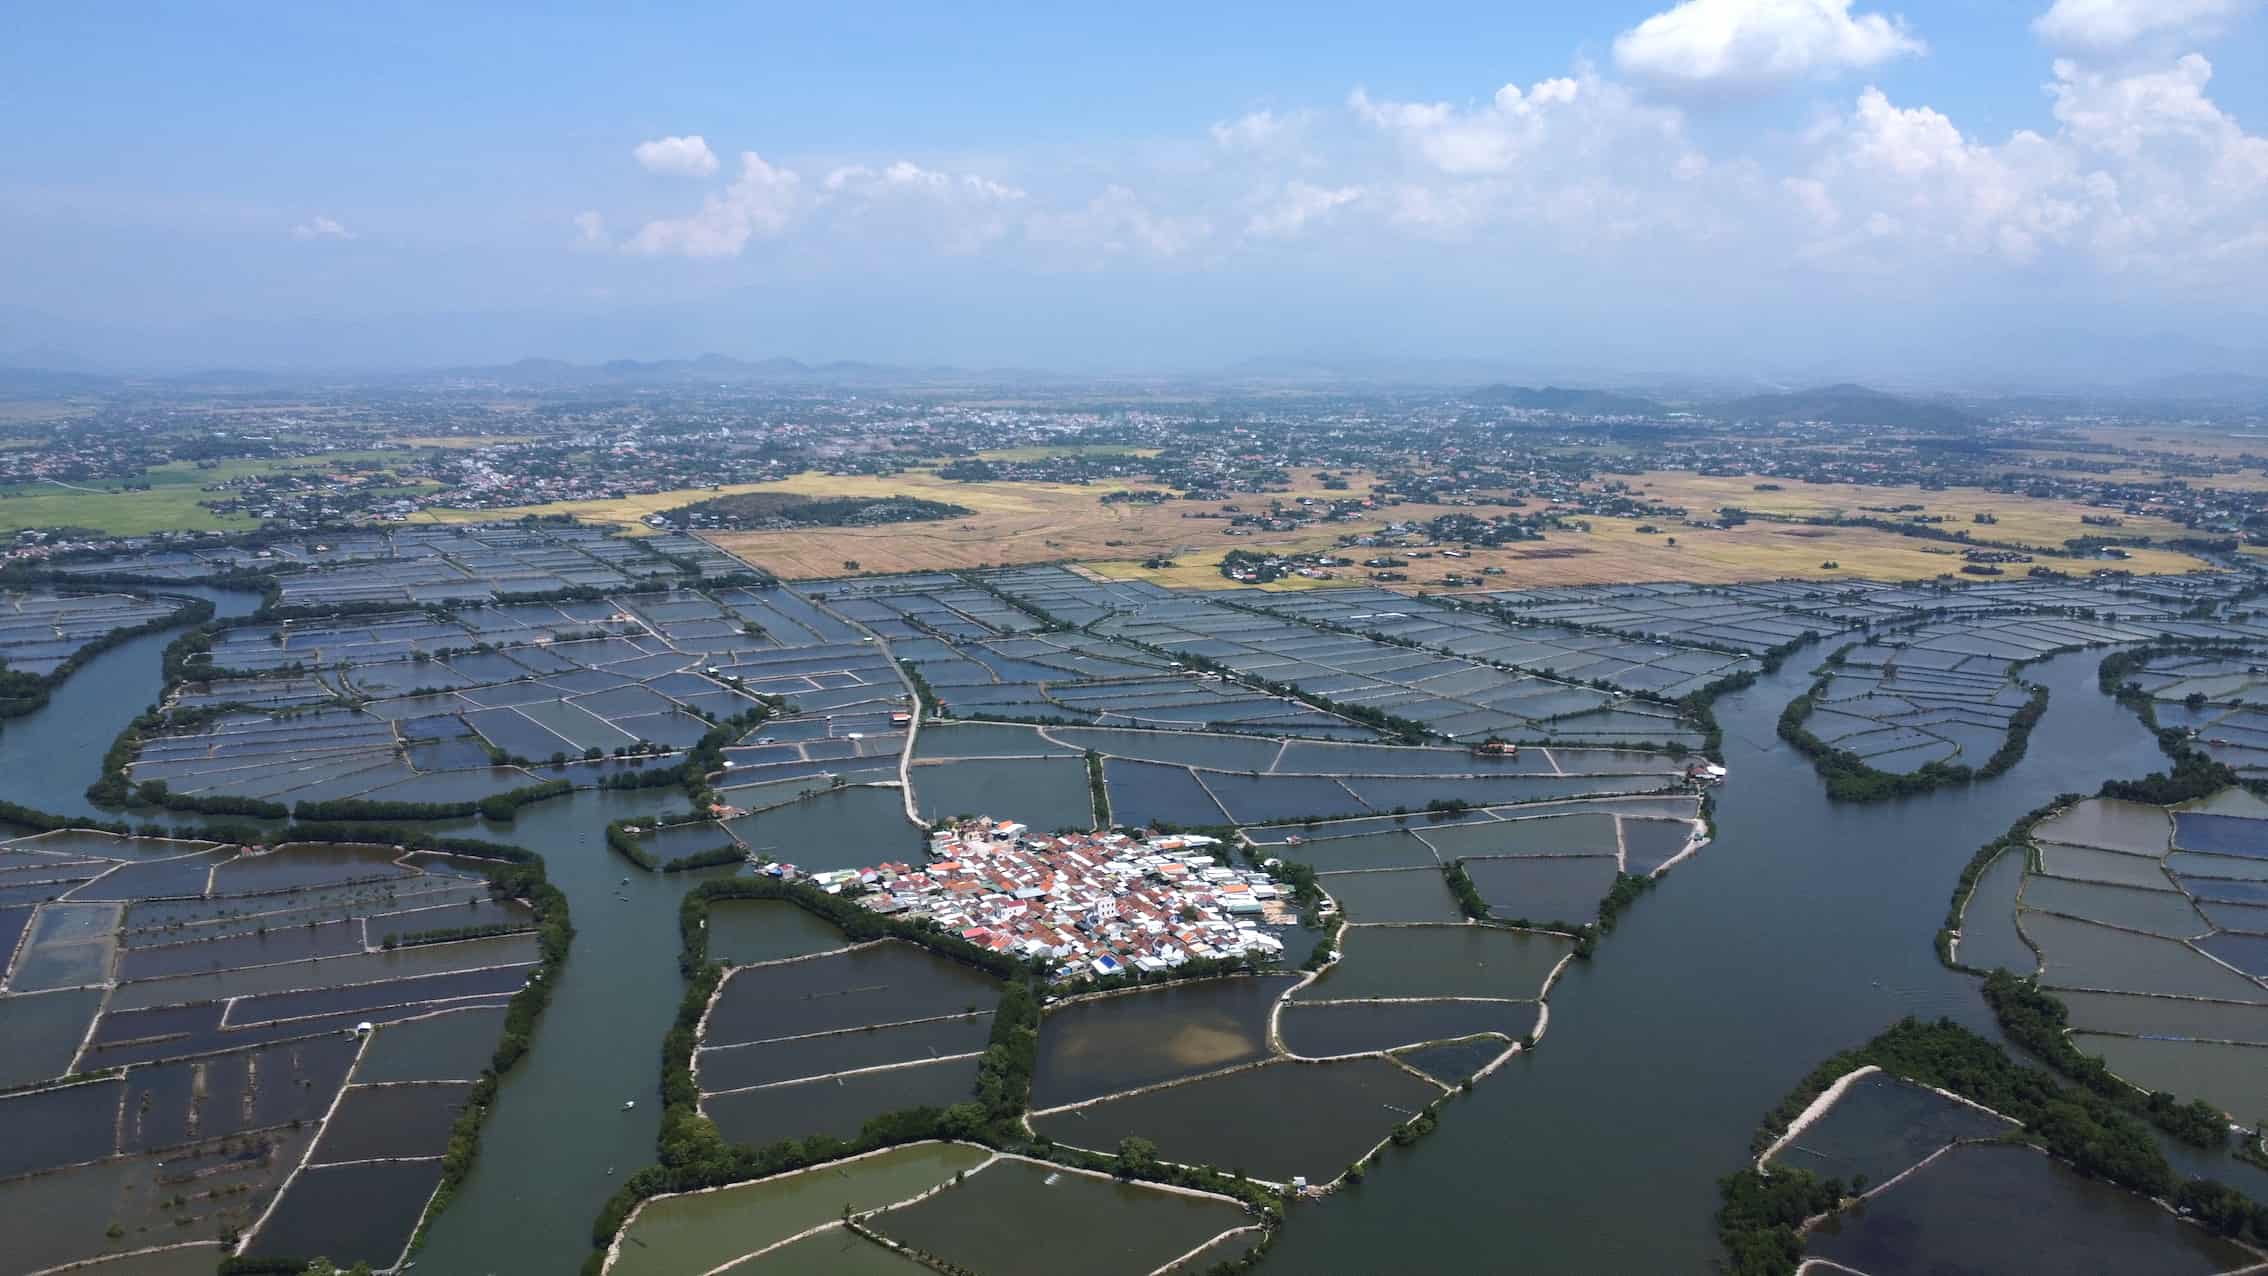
x: 707, y: 368
x: 1553, y: 398
x: 47, y: 374
x: 1849, y: 405
x: 1844, y: 404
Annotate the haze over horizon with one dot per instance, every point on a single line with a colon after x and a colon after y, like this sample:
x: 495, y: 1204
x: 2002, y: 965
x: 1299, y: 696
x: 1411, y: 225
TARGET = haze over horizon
x: 1738, y: 189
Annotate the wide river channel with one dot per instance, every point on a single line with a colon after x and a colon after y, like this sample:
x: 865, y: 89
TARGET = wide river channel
x: 1803, y: 929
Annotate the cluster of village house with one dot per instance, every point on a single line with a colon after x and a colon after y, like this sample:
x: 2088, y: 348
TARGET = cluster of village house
x: 1100, y: 902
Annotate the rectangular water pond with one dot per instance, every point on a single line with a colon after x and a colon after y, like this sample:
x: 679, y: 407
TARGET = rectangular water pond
x: 328, y: 972
x: 43, y: 1032
x: 1397, y: 895
x: 68, y: 945
x: 2157, y: 912
x: 1543, y: 888
x: 1881, y: 1127
x: 2117, y: 868
x: 374, y: 1122
x: 170, y: 1103
x: 2084, y: 955
x: 1580, y: 833
x: 349, y: 1213
x: 842, y: 828
x: 1989, y: 938
x: 2220, y: 834
x: 1113, y: 1227
x: 1276, y: 1121
x: 1987, y: 1210
x: 1108, y: 1044
x: 1364, y: 851
x: 695, y: 1233
x: 746, y: 931
x: 837, y: 1106
x: 771, y: 1062
x: 1439, y: 961
x: 2171, y: 1017
x: 2232, y: 1078
x: 61, y: 1126
x: 983, y: 739
x: 837, y: 1251
x: 1321, y: 1032
x: 1649, y: 844
x: 889, y: 982
x: 1045, y: 793
x: 445, y: 1047
x: 228, y: 1183
x: 2134, y: 827
x: 1181, y: 748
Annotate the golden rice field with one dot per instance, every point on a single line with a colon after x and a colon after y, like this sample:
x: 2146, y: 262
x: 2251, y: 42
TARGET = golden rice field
x: 2042, y: 524
x: 1046, y: 522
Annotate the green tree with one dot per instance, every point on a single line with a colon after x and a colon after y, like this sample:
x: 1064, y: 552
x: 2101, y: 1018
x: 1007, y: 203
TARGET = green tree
x: 1136, y: 1154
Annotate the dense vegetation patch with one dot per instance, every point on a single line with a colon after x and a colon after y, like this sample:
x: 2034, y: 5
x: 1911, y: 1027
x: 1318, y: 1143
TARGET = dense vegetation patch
x: 788, y: 510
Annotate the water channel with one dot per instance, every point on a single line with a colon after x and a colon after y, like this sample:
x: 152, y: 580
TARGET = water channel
x: 1803, y: 929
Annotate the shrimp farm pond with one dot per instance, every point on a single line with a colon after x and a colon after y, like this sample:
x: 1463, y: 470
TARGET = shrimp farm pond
x: 525, y: 897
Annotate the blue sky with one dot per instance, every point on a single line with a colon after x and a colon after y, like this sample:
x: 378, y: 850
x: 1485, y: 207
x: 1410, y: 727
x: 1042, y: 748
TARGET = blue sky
x: 1748, y: 187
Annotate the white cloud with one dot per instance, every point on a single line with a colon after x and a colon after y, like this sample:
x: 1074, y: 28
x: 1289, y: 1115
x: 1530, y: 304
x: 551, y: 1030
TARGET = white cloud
x: 1718, y: 45
x: 2141, y: 178
x: 1289, y: 210
x: 1256, y: 130
x: 1515, y: 126
x: 687, y: 156
x: 2102, y: 26
x: 321, y: 227
x: 907, y: 176
x: 959, y: 213
x: 1119, y: 223
x: 760, y: 203
x: 1566, y: 162
x: 2144, y: 173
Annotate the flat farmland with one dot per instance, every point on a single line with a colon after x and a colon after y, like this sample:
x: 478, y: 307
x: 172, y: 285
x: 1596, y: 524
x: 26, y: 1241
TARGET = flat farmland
x: 1615, y: 552
x: 1014, y: 523
x: 1017, y: 523
x: 2044, y: 524
x: 170, y: 503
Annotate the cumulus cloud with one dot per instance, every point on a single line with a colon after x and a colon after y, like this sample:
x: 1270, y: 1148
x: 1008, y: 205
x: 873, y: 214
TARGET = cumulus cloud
x: 1119, y: 223
x: 908, y: 176
x: 1255, y: 130
x: 1574, y: 159
x: 2102, y: 26
x: 320, y: 227
x: 1744, y: 45
x: 957, y: 212
x: 687, y: 156
x: 760, y: 203
x: 590, y: 229
x: 2141, y: 177
x: 2144, y: 172
x: 1513, y: 125
x: 901, y: 202
x: 1289, y: 210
